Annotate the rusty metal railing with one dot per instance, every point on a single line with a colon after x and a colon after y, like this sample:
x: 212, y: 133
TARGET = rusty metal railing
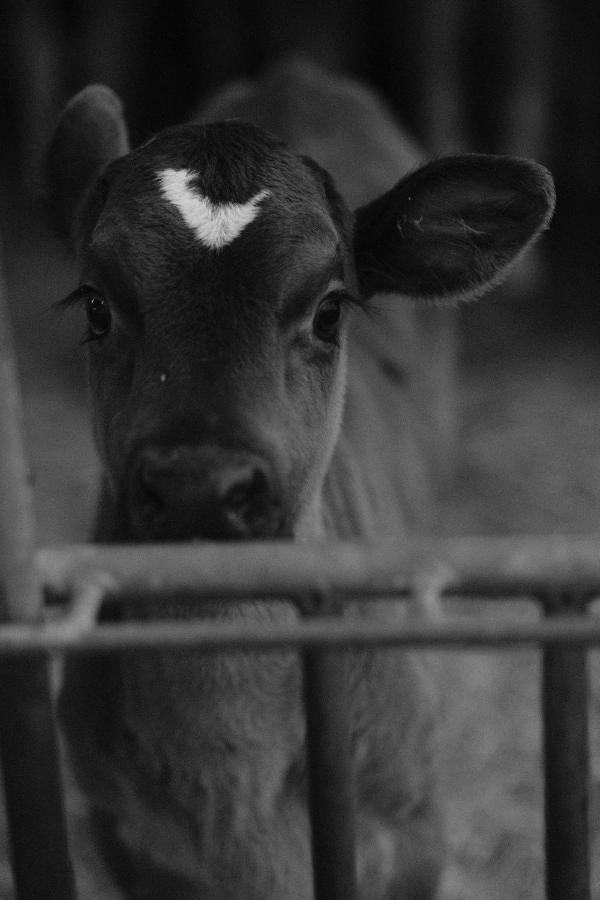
x: 562, y: 574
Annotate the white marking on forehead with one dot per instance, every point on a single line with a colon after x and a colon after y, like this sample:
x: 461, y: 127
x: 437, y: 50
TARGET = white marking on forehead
x: 214, y: 224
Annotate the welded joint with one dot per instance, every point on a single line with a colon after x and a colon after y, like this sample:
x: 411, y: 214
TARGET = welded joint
x: 564, y: 603
x: 318, y: 603
x: 88, y: 590
x: 428, y: 585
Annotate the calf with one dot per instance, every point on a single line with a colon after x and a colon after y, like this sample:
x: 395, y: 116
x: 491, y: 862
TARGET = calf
x: 265, y: 363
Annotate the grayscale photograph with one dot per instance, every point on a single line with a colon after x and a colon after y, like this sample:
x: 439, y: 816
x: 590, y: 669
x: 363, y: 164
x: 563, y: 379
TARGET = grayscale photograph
x: 299, y: 450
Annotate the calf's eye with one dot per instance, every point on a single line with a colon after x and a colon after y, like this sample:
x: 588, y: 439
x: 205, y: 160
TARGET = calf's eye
x: 98, y: 316
x: 326, y: 323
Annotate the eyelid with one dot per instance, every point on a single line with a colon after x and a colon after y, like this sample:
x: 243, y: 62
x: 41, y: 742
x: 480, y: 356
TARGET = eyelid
x: 79, y: 295
x: 341, y: 292
x: 334, y: 289
x: 335, y: 286
x: 302, y: 304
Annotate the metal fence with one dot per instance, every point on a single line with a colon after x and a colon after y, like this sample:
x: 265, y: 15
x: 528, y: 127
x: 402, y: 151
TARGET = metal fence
x: 561, y: 574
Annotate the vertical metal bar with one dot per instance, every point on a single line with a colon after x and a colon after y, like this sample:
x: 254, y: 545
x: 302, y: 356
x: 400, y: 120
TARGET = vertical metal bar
x: 331, y: 781
x: 40, y: 855
x: 28, y: 743
x: 566, y: 765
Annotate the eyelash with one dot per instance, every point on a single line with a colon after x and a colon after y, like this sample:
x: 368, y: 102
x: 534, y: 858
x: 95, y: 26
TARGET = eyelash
x: 82, y: 296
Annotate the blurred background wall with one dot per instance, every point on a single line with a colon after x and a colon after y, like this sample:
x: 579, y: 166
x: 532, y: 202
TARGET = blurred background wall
x: 516, y: 76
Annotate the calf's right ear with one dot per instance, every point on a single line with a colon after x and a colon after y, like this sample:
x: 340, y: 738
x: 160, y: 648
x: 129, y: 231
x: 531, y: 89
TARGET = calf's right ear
x: 90, y: 133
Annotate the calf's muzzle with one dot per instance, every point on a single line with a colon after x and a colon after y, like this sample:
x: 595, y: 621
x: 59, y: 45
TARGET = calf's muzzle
x: 184, y: 492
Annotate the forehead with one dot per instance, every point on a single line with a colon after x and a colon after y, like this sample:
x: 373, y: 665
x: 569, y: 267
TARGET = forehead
x: 224, y: 205
x: 210, y: 183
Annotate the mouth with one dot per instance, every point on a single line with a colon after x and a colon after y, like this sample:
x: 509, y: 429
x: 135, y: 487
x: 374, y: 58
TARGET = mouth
x: 150, y: 524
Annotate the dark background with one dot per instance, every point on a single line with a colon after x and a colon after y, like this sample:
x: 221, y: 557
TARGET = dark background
x: 508, y: 76
x: 516, y: 76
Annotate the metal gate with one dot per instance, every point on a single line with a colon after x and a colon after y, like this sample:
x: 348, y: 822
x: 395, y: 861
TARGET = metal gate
x: 561, y: 574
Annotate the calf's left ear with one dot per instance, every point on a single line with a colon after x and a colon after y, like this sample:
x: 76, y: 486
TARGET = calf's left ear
x: 453, y: 229
x: 90, y: 133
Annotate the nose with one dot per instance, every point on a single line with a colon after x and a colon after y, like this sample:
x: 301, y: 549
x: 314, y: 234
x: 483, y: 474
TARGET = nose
x: 184, y: 492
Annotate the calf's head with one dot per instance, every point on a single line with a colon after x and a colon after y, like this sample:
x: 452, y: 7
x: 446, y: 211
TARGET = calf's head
x: 219, y: 271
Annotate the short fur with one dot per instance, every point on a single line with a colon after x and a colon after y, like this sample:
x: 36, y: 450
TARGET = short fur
x: 195, y: 765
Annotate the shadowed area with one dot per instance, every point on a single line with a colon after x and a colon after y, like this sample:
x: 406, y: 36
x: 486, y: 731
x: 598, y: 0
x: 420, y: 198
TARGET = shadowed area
x: 529, y: 448
x: 529, y: 460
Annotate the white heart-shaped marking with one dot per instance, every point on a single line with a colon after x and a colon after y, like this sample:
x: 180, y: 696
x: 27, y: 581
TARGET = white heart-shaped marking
x: 214, y: 224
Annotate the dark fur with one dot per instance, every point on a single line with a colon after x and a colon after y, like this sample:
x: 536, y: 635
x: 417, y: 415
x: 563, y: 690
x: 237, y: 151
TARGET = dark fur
x: 195, y: 764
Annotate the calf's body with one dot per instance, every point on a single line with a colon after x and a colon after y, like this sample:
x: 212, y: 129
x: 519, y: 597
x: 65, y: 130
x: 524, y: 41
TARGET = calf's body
x: 242, y: 389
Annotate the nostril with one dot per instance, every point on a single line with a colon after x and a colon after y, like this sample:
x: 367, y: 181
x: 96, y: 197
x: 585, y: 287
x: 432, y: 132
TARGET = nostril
x: 150, y: 495
x: 167, y: 499
x: 247, y: 491
x: 248, y: 504
x: 149, y: 498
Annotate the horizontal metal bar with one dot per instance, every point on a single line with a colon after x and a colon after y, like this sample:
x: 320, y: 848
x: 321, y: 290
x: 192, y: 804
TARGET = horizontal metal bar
x: 215, y: 636
x: 516, y: 565
x: 230, y: 570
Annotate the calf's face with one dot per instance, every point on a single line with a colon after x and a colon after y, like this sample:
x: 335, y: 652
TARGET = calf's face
x: 218, y: 274
x: 216, y: 279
